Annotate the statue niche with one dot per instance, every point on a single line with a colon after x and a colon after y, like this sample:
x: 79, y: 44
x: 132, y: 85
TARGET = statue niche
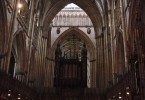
x: 70, y: 71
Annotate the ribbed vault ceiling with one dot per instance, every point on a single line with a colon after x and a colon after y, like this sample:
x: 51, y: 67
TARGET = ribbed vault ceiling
x: 93, y: 8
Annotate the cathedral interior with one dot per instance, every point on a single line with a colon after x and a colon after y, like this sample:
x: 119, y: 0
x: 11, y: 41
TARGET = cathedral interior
x: 72, y: 49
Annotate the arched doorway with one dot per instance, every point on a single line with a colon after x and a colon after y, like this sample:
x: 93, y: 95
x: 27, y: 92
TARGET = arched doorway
x: 20, y: 54
x: 66, y: 38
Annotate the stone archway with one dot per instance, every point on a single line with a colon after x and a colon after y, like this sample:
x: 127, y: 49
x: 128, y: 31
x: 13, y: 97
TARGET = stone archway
x: 19, y: 45
x: 90, y: 8
x: 91, y: 49
x: 80, y: 34
x: 92, y: 11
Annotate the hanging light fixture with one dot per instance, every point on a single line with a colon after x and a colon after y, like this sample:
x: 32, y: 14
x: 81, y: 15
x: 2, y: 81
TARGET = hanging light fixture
x: 19, y: 96
x: 120, y: 96
x: 127, y: 91
x: 9, y: 93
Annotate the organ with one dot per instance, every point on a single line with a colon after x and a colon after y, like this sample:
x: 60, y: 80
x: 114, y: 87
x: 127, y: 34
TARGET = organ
x: 70, y: 69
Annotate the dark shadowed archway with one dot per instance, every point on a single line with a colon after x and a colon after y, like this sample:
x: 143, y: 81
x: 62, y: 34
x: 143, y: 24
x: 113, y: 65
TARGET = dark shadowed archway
x: 12, y: 65
x: 19, y: 45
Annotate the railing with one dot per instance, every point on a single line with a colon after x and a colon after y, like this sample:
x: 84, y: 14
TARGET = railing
x: 10, y: 88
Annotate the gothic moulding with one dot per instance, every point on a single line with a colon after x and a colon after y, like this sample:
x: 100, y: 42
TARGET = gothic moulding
x: 79, y: 33
x: 90, y: 8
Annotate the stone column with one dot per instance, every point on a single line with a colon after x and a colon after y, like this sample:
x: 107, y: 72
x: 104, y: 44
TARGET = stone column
x: 112, y: 33
x: 31, y: 31
x: 11, y: 31
x: 124, y: 32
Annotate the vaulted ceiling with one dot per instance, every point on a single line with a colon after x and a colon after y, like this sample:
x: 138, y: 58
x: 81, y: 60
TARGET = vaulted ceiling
x: 94, y: 9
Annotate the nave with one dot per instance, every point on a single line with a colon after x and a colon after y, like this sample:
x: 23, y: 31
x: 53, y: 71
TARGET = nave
x: 72, y: 49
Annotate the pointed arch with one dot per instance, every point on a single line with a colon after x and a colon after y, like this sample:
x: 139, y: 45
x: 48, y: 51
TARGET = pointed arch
x: 19, y: 45
x: 91, y: 48
x: 90, y: 8
x: 78, y: 33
